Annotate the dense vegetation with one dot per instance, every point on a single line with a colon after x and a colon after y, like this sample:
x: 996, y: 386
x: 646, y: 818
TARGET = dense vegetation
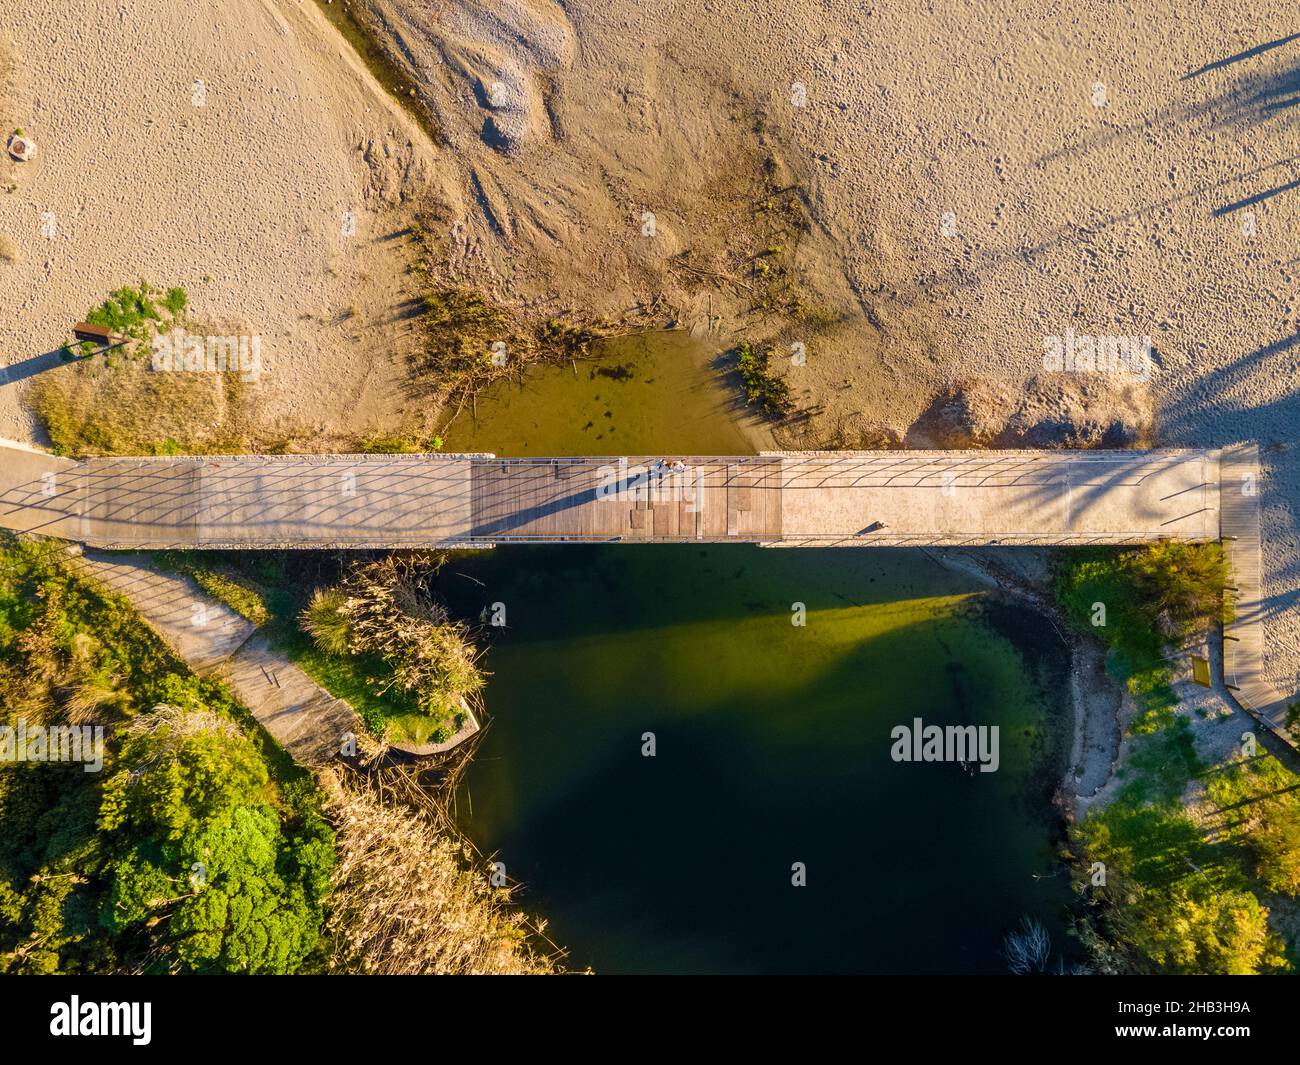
x: 200, y: 848
x: 197, y: 848
x: 1138, y: 603
x: 383, y: 609
x: 1193, y: 856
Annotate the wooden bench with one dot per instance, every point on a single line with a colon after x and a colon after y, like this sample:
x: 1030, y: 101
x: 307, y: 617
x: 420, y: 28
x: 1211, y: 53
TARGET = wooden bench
x: 96, y: 334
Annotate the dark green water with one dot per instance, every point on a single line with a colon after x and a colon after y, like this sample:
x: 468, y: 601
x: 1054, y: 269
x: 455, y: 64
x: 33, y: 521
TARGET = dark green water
x: 773, y: 747
x: 772, y: 741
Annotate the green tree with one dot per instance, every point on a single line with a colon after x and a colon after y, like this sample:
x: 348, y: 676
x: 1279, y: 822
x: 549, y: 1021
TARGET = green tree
x: 1277, y: 847
x: 1196, y: 927
x: 1183, y: 581
x: 207, y: 861
x: 236, y: 896
x: 99, y: 875
x: 182, y: 771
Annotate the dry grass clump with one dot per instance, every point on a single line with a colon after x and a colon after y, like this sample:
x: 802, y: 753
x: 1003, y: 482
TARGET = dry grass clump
x: 8, y: 249
x: 764, y: 387
x: 57, y: 677
x: 383, y: 608
x: 119, y: 406
x: 113, y: 402
x: 471, y: 342
x: 171, y: 725
x: 405, y: 900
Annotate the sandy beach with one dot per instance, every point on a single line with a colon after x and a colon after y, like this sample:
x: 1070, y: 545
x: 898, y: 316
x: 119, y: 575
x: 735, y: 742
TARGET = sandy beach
x: 944, y: 189
x: 221, y: 147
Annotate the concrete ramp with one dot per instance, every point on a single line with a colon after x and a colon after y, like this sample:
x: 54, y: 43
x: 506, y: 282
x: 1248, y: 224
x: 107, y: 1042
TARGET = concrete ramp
x: 38, y: 492
x: 984, y: 498
x: 1243, y: 636
x: 300, y: 715
x: 201, y: 630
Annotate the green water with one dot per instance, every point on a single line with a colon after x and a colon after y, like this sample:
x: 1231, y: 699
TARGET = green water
x: 772, y: 740
x: 773, y: 747
x: 645, y: 394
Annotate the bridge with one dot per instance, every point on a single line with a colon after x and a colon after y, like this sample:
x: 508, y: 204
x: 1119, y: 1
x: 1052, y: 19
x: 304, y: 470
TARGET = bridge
x: 777, y: 499
x: 773, y: 499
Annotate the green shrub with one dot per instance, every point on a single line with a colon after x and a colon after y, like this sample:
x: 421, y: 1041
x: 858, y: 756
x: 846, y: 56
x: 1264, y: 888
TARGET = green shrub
x: 324, y: 621
x: 1181, y: 581
x: 763, y: 388
x: 96, y: 869
x: 382, y: 611
x: 176, y: 301
x: 1136, y: 601
x: 128, y: 311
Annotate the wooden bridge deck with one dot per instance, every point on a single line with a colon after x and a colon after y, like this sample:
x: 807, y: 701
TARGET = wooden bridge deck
x: 1243, y: 636
x: 607, y: 499
x: 788, y: 499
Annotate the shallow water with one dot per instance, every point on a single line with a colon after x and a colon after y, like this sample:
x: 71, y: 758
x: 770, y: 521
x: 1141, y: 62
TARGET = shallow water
x: 646, y: 394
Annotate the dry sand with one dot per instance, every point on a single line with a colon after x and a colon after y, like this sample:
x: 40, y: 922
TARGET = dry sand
x: 978, y: 176
x: 214, y: 145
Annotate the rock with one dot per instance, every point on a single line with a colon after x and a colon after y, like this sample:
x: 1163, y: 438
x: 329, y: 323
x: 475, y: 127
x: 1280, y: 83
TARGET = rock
x: 21, y: 148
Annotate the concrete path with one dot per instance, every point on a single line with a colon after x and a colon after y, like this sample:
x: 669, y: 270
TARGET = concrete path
x: 201, y: 630
x: 1243, y: 637
x: 986, y: 498
x: 300, y: 715
x: 304, y: 719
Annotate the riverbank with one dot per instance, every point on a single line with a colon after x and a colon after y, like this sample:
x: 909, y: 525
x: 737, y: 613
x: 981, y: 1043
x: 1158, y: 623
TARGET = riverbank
x: 1097, y: 700
x: 1103, y: 708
